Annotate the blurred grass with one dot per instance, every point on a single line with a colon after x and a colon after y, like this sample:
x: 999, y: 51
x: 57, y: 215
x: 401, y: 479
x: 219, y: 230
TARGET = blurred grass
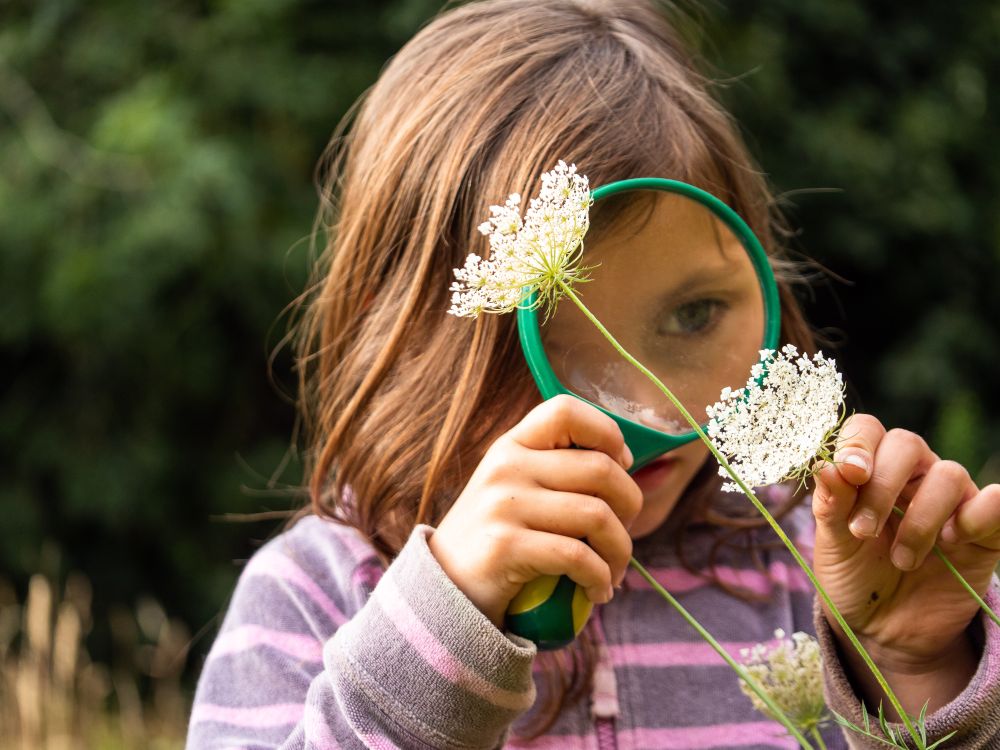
x: 54, y: 697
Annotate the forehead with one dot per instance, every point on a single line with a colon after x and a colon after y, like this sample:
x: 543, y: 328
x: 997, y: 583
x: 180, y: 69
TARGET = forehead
x: 662, y: 239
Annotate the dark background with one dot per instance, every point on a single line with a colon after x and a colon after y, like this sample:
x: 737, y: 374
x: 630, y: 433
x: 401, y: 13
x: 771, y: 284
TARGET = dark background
x: 156, y: 200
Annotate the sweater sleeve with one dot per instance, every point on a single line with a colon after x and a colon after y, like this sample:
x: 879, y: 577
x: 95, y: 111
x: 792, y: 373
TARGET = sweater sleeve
x: 974, y: 714
x: 415, y: 666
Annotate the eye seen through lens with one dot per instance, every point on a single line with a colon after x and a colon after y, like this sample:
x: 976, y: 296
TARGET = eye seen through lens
x: 679, y: 292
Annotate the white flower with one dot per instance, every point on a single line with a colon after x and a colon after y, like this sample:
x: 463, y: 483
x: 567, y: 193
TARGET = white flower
x: 539, y: 251
x: 791, y: 673
x: 778, y: 429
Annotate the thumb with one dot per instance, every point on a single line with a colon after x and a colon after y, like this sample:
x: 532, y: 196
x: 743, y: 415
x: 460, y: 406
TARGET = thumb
x: 833, y: 502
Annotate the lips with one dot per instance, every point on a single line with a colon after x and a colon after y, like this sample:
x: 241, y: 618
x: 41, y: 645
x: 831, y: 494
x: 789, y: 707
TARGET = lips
x: 654, y: 474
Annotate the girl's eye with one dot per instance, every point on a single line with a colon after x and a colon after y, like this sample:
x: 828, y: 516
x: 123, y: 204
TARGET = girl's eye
x: 691, y: 318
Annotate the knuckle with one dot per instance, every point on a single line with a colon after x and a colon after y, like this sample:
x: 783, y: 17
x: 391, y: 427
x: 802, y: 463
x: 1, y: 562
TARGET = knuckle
x: 822, y: 504
x: 597, y: 515
x: 498, y: 458
x: 503, y: 504
x: 880, y: 487
x: 950, y: 471
x: 490, y: 472
x: 917, y: 533
x: 602, y: 466
x: 563, y: 407
x: 905, y: 438
x: 499, y: 542
x: 858, y: 428
x: 575, y: 553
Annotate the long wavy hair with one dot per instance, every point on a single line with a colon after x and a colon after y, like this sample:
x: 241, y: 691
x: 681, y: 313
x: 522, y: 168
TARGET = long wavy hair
x: 400, y: 400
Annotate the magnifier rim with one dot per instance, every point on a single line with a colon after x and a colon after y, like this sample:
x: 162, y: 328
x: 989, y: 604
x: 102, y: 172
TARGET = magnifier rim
x: 647, y: 442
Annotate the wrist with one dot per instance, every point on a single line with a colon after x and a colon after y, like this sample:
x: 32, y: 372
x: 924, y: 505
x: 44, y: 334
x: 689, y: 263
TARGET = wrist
x: 934, y: 679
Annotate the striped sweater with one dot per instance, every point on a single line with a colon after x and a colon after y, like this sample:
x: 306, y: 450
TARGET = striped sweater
x: 321, y: 648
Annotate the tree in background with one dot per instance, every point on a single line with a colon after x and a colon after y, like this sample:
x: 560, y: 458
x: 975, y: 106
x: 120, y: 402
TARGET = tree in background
x: 156, y: 199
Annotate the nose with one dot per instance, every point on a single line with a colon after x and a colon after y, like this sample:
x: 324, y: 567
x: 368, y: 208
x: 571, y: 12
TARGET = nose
x: 641, y: 401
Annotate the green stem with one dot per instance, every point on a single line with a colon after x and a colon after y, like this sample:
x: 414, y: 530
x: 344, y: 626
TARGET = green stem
x: 831, y: 607
x: 737, y: 667
x: 819, y: 738
x: 960, y: 578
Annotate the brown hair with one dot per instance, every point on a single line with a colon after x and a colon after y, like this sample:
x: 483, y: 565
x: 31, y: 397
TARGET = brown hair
x: 399, y: 399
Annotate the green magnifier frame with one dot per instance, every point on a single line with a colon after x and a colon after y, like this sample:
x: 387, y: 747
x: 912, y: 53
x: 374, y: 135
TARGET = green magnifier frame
x: 551, y: 611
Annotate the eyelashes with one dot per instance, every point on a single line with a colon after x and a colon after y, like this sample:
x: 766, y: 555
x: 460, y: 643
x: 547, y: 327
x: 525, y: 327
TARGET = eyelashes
x: 692, y: 318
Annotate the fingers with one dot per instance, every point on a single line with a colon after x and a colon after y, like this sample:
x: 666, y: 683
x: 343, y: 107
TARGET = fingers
x: 565, y: 421
x: 859, y: 438
x: 554, y: 554
x: 832, y: 502
x: 940, y: 492
x: 582, y: 516
x: 586, y: 473
x: 836, y: 490
x: 900, y: 457
x: 977, y: 520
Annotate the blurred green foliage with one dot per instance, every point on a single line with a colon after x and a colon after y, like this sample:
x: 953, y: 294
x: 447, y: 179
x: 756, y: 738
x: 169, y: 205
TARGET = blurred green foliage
x: 156, y: 196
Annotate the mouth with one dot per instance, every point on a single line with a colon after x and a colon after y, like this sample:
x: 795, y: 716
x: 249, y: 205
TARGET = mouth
x: 654, y: 474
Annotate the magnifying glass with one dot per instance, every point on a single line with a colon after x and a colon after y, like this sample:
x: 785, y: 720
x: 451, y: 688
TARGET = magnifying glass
x: 686, y: 288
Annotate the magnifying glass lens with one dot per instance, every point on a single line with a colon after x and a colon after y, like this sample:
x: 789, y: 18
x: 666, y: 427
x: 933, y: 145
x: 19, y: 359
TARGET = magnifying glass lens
x: 678, y: 290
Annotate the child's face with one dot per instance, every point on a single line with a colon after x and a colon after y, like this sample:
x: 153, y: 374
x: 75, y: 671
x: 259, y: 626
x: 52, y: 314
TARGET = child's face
x: 679, y: 292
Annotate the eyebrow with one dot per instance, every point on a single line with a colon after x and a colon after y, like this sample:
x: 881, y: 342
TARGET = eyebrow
x: 703, y: 277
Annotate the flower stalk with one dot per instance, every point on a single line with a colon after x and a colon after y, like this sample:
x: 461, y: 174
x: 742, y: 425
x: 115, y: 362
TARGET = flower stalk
x: 741, y: 671
x: 762, y: 509
x: 961, y: 579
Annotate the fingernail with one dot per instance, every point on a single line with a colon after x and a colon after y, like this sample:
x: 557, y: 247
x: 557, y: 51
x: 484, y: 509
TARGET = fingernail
x: 855, y: 459
x: 611, y: 594
x: 904, y: 558
x: 628, y: 456
x: 864, y: 523
x: 949, y: 534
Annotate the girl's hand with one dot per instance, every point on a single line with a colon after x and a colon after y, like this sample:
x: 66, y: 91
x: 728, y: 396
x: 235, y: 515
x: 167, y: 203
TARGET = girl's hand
x: 878, y: 568
x: 530, y: 502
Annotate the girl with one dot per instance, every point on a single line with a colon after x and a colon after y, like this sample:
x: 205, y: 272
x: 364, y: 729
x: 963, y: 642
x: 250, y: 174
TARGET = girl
x: 440, y: 485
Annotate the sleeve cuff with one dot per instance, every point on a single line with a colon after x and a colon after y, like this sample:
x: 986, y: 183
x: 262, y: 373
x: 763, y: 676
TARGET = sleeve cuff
x: 419, y: 655
x: 974, y: 713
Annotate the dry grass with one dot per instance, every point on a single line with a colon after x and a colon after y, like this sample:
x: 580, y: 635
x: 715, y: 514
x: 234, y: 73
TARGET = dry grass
x: 53, y: 697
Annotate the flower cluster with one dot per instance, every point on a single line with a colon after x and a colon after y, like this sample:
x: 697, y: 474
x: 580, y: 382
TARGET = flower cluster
x: 779, y: 428
x: 791, y: 673
x: 540, y: 251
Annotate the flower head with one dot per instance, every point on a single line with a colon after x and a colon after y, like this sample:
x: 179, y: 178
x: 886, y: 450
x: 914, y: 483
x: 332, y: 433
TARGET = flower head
x: 540, y: 251
x: 780, y: 428
x: 791, y: 673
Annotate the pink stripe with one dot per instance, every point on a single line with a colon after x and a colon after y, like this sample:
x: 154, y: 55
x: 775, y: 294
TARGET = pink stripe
x: 437, y: 656
x: 318, y: 732
x: 367, y: 574
x: 274, y: 565
x: 719, y: 735
x: 556, y: 742
x: 257, y: 717
x: 679, y: 580
x: 356, y: 544
x: 377, y: 742
x: 675, y: 654
x: 246, y: 637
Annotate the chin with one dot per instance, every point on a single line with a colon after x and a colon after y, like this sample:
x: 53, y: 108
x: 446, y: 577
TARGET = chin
x: 655, y: 510
x: 658, y: 504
